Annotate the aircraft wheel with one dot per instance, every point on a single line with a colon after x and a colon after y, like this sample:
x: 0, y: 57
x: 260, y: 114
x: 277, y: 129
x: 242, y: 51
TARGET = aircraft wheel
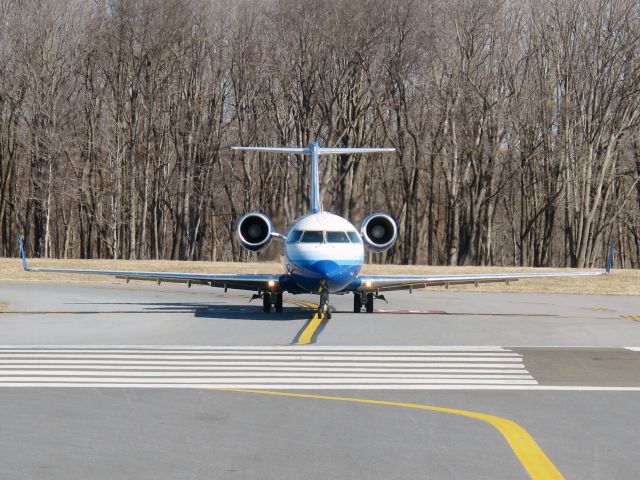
x: 369, y: 304
x: 266, y: 302
x: 357, y: 302
x: 278, y: 302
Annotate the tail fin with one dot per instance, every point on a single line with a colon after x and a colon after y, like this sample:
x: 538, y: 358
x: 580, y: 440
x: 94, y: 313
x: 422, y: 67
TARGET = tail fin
x: 315, y: 151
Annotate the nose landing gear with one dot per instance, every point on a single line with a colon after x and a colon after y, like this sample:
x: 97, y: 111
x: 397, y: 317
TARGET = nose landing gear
x: 324, y: 309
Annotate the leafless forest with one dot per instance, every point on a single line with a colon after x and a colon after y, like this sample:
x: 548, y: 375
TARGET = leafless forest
x: 517, y: 125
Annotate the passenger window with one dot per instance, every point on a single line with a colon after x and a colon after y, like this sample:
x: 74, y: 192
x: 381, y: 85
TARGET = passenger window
x: 354, y: 237
x: 337, y: 237
x: 294, y: 236
x: 312, y: 236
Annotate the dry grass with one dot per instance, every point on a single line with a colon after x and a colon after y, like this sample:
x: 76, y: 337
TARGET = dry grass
x: 620, y: 282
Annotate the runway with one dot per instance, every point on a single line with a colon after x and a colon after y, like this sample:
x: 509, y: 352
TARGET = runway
x: 104, y: 381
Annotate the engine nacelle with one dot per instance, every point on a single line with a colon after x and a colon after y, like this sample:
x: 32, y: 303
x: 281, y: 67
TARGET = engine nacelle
x: 255, y: 231
x: 379, y: 232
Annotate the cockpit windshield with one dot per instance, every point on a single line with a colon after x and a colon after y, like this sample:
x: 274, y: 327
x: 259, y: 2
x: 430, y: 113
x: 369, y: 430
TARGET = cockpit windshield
x: 337, y: 237
x: 294, y: 236
x: 319, y: 236
x: 312, y: 236
x: 354, y: 237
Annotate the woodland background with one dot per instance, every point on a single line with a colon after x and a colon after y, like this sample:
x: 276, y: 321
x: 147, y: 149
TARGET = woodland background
x: 517, y: 125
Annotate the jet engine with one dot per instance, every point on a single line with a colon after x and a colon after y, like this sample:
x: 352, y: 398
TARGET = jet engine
x: 255, y: 231
x: 379, y: 232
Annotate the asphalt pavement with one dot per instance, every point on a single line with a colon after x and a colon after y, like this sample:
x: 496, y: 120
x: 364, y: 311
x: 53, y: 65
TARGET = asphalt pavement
x: 144, y: 381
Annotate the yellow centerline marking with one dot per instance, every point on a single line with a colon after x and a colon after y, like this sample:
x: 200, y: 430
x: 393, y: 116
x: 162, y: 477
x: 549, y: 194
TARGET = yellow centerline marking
x: 306, y: 337
x: 525, y: 448
x: 307, y: 334
x: 302, y: 303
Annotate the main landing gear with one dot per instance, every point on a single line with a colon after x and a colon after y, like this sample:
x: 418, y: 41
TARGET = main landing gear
x: 365, y: 299
x: 271, y: 299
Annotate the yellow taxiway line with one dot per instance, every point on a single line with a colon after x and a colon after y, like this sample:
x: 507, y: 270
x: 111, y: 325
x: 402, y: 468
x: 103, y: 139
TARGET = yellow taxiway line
x: 307, y: 334
x: 525, y: 448
x: 310, y: 329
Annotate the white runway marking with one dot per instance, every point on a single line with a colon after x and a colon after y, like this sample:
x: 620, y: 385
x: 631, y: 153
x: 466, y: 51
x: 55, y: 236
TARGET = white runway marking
x: 286, y: 367
x: 260, y: 348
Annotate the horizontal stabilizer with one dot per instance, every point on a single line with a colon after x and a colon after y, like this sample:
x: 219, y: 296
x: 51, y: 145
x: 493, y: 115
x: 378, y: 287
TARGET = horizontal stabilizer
x: 290, y: 150
x: 348, y: 150
x: 320, y: 151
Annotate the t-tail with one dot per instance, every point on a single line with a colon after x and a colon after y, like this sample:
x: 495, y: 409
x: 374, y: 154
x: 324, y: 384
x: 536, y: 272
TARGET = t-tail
x: 314, y: 150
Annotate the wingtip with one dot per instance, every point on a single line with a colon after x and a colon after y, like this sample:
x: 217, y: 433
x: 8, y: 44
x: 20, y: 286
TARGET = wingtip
x: 610, y: 259
x: 23, y: 255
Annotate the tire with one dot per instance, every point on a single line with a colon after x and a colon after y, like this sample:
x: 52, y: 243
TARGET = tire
x: 278, y: 302
x: 369, y: 303
x: 266, y: 302
x: 357, y: 303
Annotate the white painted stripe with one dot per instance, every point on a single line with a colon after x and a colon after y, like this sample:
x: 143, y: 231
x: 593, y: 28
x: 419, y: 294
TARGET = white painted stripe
x: 264, y: 363
x: 259, y: 386
x: 193, y: 353
x: 633, y: 349
x: 298, y: 357
x: 129, y: 374
x: 266, y: 380
x: 271, y: 347
x: 517, y: 369
x: 287, y: 367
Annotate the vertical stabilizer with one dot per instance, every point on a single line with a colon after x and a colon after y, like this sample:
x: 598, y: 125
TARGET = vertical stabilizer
x: 314, y: 197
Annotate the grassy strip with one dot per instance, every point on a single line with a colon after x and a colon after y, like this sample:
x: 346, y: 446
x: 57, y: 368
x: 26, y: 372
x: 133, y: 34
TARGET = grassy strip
x: 620, y: 282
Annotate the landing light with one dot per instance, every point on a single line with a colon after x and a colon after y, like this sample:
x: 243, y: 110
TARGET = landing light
x: 367, y: 284
x: 271, y: 283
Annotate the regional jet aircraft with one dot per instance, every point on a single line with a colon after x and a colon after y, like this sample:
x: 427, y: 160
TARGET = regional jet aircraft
x: 323, y: 253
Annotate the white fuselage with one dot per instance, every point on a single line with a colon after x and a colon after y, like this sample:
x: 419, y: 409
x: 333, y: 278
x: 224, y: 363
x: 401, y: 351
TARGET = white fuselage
x: 323, y: 251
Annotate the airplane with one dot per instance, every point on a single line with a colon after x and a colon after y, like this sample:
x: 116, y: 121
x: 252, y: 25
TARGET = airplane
x: 323, y: 253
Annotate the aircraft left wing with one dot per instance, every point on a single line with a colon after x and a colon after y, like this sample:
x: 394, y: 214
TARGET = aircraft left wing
x: 252, y: 282
x: 407, y: 282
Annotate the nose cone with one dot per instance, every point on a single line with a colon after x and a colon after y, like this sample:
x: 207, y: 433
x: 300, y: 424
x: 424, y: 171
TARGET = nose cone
x: 336, y: 276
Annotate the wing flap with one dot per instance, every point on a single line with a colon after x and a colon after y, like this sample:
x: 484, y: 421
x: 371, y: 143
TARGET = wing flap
x: 405, y: 282
x: 226, y: 280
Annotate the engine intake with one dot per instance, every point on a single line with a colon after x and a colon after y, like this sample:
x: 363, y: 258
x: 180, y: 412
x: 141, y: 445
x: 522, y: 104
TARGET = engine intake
x: 255, y: 231
x: 379, y: 232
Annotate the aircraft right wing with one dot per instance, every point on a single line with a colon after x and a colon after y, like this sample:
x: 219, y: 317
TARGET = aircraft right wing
x: 406, y: 282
